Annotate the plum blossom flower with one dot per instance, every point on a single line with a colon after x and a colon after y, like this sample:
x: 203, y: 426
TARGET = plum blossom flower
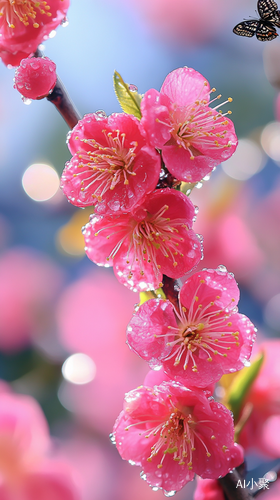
x: 153, y: 240
x: 35, y: 77
x: 194, y: 138
x: 174, y: 432
x: 264, y: 420
x: 113, y: 167
x: 25, y: 24
x: 202, y: 339
x: 26, y: 471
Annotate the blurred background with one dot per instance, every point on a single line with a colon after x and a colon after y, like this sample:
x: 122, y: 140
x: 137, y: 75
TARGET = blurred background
x: 62, y: 319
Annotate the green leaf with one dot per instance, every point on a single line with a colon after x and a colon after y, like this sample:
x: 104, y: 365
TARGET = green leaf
x: 129, y: 101
x: 153, y: 294
x: 241, y: 385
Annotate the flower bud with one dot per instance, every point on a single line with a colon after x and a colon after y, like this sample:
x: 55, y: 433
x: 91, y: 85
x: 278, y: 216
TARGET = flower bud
x: 35, y: 77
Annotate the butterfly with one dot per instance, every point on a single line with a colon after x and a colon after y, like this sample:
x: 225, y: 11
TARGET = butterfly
x: 263, y: 28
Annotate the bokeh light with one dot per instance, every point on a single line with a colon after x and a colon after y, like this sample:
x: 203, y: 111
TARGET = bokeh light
x: 40, y: 182
x: 79, y: 369
x: 246, y: 161
x: 270, y: 140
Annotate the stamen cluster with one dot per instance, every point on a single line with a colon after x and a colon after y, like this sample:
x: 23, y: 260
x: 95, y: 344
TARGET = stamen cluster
x: 24, y: 24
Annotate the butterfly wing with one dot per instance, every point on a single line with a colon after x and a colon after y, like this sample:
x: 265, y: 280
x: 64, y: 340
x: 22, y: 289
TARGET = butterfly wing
x: 268, y: 11
x: 246, y: 28
x: 265, y: 32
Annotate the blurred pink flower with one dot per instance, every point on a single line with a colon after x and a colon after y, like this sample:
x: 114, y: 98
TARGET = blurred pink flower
x: 155, y: 239
x: 186, y: 21
x: 29, y: 282
x: 194, y: 138
x: 35, y: 77
x: 261, y: 432
x: 228, y: 236
x: 113, y: 167
x: 26, y: 472
x: 208, y: 489
x: 205, y: 338
x: 163, y: 430
x: 24, y: 25
x: 92, y: 315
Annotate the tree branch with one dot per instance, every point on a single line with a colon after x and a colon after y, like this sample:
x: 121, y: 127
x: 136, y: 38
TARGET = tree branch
x: 60, y: 98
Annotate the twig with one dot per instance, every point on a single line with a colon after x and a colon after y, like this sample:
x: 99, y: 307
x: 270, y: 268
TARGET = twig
x: 60, y: 98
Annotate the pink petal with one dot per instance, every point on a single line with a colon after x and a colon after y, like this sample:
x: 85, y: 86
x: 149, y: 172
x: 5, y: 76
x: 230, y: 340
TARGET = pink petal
x: 185, y: 85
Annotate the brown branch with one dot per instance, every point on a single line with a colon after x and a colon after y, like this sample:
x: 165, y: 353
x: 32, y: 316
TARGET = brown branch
x: 60, y: 98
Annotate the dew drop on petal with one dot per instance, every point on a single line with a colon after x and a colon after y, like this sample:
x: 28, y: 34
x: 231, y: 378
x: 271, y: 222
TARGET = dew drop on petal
x: 100, y: 114
x: 246, y: 362
x: 169, y: 493
x: 26, y: 101
x: 222, y: 269
x: 64, y: 22
x: 52, y: 34
x: 112, y: 438
x: 131, y: 462
x: 143, y: 475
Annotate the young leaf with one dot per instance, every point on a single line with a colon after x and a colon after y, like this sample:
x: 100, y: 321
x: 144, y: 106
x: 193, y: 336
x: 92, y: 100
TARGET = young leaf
x: 241, y: 385
x: 153, y: 294
x: 129, y: 101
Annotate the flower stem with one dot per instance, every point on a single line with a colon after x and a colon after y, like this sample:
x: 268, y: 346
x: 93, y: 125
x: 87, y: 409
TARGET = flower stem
x: 60, y: 98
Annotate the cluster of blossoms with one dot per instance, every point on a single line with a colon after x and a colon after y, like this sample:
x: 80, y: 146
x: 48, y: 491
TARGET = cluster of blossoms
x: 129, y: 169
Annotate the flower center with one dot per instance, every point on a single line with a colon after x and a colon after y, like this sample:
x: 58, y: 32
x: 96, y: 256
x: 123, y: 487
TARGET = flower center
x: 25, y: 11
x: 153, y: 236
x: 175, y: 436
x: 195, y: 125
x: 107, y: 165
x: 200, y: 328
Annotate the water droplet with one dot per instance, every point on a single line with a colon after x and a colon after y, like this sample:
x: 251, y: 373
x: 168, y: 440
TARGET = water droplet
x: 112, y: 438
x: 131, y: 462
x: 169, y: 493
x: 222, y: 269
x: 41, y: 47
x: 26, y: 101
x: 52, y: 34
x: 196, y: 210
x: 199, y: 185
x: 155, y: 488
x: 68, y: 136
x: 100, y: 114
x: 246, y: 362
x: 132, y: 88
x: 143, y: 475
x: 35, y: 65
x: 64, y: 22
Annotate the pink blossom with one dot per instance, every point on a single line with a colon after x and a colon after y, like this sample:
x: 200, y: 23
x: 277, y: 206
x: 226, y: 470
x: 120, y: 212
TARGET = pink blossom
x: 264, y: 395
x: 23, y: 271
x: 24, y: 25
x: 173, y: 432
x: 35, y: 77
x: 201, y: 340
x: 99, y: 308
x: 153, y: 240
x: 26, y: 472
x: 194, y: 138
x: 113, y: 167
x: 208, y: 489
